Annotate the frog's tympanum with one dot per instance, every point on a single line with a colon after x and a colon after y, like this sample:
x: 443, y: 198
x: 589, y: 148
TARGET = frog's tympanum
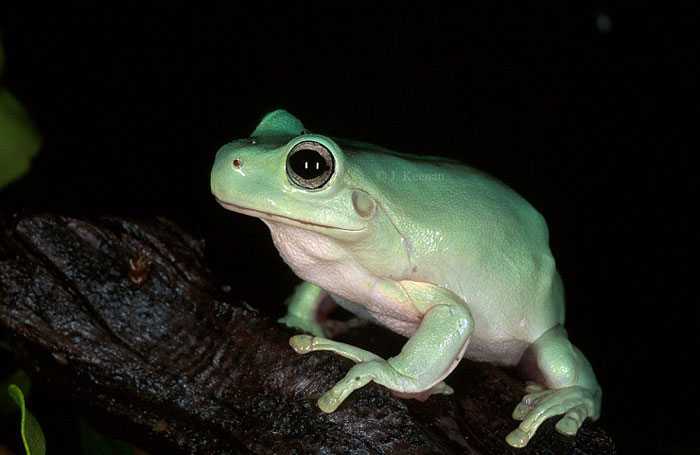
x: 432, y: 249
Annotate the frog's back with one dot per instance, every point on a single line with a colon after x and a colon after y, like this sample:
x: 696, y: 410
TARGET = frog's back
x: 468, y: 232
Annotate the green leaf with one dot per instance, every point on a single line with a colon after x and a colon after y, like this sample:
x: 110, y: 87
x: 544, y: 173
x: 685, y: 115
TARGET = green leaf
x: 32, y: 436
x: 19, y: 139
x: 5, y: 346
x: 96, y: 443
x: 7, y: 404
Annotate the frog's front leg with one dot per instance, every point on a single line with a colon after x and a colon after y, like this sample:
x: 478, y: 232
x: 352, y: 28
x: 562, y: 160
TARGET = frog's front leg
x: 429, y: 356
x: 573, y: 390
x: 302, y: 310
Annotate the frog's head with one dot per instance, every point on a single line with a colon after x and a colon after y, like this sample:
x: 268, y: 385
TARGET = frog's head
x: 282, y: 173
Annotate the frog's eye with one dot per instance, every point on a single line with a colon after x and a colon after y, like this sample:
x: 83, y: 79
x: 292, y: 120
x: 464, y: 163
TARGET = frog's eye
x: 310, y: 165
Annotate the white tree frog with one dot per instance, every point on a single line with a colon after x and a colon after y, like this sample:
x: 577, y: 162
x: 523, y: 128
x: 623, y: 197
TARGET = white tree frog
x: 434, y: 250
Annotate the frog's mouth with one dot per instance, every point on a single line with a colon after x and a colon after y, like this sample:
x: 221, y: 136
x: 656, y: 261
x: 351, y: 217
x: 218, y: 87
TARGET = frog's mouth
x: 275, y: 217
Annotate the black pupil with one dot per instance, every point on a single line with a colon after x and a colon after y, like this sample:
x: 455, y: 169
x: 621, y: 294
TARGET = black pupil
x: 308, y: 164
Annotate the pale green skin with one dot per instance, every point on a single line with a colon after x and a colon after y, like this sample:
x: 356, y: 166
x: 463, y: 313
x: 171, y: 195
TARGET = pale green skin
x: 430, y: 248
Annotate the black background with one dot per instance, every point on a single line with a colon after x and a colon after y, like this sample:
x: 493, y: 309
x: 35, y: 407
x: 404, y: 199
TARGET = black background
x: 584, y: 110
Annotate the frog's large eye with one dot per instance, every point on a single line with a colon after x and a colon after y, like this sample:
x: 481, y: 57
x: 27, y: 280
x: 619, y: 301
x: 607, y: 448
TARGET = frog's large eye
x: 310, y: 165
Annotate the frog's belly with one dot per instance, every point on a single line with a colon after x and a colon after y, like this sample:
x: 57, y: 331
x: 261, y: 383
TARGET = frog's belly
x: 316, y: 259
x: 405, y: 326
x: 502, y: 331
x: 499, y: 352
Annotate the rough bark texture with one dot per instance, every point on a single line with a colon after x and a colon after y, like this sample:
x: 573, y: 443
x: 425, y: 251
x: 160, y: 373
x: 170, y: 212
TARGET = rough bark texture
x: 123, y: 317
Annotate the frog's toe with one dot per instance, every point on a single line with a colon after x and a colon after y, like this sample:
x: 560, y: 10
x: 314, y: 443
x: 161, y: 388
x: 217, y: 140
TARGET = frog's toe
x: 357, y: 377
x: 330, y: 401
x: 536, y: 393
x: 518, y: 438
x: 571, y: 422
x: 302, y: 343
x: 521, y: 410
x: 531, y: 399
x: 442, y: 388
x: 533, y: 387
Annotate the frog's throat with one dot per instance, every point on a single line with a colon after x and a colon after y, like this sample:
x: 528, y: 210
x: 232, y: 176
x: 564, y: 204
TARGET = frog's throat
x: 276, y: 217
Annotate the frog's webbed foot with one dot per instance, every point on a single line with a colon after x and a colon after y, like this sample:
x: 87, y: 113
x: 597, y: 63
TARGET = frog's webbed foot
x: 575, y: 403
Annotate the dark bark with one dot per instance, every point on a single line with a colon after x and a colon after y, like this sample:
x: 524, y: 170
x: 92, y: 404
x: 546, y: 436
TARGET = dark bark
x: 123, y: 318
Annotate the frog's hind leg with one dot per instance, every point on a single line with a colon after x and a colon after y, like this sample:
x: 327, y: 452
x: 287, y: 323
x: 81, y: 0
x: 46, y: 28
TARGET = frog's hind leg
x: 572, y: 389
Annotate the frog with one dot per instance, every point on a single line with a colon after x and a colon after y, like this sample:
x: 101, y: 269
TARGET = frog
x: 428, y: 247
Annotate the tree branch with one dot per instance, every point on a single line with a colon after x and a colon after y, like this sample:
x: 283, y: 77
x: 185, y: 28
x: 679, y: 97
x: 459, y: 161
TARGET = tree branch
x: 124, y: 319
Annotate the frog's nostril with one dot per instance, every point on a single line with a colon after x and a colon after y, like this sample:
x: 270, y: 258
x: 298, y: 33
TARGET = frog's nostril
x: 237, y: 163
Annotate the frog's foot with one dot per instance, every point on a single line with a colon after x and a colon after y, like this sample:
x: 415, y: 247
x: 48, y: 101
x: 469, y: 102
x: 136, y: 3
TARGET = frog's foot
x: 309, y: 325
x: 576, y: 403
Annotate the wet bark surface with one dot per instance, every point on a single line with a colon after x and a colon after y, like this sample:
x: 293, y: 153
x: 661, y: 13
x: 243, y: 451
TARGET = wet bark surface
x: 123, y: 318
